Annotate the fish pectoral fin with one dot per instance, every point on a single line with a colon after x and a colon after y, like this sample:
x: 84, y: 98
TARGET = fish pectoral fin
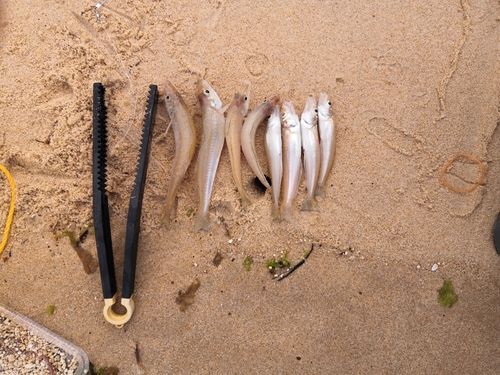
x: 223, y: 109
x: 168, y: 127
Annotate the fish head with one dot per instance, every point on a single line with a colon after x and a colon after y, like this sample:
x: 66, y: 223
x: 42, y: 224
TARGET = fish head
x: 324, y: 105
x: 275, y: 117
x: 268, y: 105
x: 171, y: 96
x: 274, y: 101
x: 242, y: 99
x: 310, y: 114
x: 288, y: 115
x: 245, y: 97
x: 207, y: 95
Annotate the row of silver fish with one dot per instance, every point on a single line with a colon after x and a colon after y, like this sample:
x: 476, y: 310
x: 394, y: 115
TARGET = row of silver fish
x: 318, y: 148
x: 286, y: 138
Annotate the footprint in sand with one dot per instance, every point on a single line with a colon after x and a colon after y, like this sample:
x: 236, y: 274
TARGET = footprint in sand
x: 391, y: 136
x: 257, y: 64
x: 461, y: 174
x: 182, y: 32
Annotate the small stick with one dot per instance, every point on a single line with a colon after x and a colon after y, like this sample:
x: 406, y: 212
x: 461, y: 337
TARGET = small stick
x: 47, y: 362
x: 44, y: 358
x: 302, y: 261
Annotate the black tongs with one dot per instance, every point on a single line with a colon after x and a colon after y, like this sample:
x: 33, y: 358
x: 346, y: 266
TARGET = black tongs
x: 496, y: 234
x: 101, y: 212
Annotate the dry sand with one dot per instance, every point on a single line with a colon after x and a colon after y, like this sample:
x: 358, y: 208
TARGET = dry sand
x: 413, y: 84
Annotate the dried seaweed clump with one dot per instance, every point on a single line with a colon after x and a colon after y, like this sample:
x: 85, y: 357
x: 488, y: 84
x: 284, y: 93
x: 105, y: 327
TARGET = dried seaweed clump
x: 447, y: 296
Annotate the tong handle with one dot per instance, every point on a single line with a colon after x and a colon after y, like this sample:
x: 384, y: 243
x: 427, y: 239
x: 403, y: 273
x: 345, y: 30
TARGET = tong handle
x: 496, y: 234
x: 101, y: 210
x: 100, y: 200
x: 135, y: 205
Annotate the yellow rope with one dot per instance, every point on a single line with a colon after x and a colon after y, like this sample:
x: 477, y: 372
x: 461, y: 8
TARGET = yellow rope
x: 11, y: 210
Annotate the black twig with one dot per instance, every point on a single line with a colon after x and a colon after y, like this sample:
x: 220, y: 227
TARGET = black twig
x: 302, y: 261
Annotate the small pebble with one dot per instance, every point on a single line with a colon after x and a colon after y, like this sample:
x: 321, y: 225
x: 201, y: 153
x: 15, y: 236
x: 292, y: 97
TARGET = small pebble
x: 230, y: 241
x: 434, y: 267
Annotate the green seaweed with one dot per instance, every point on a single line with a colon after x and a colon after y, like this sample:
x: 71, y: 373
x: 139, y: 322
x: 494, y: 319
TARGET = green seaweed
x: 447, y: 296
x: 189, y: 212
x: 272, y: 263
x: 49, y: 310
x: 247, y: 263
x: 284, y: 262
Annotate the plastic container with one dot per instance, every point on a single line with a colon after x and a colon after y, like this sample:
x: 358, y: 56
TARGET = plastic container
x: 42, y: 332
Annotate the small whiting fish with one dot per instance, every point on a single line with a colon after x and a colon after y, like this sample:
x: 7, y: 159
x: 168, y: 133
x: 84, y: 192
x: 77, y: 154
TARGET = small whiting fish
x: 310, y: 144
x: 185, y: 143
x: 274, y: 157
x: 253, y: 120
x: 291, y: 158
x: 210, y: 150
x: 327, y: 141
x: 234, y: 120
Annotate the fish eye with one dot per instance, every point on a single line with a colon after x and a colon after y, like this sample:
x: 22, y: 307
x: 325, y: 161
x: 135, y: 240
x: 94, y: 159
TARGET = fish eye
x: 167, y: 97
x: 207, y: 92
x: 330, y: 103
x: 246, y: 98
x: 316, y: 110
x: 269, y: 116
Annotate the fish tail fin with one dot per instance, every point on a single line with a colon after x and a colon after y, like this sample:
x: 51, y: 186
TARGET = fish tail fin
x: 202, y: 221
x: 245, y: 201
x: 275, y: 213
x: 169, y: 211
x: 286, y: 213
x: 320, y: 191
x: 309, y: 204
x: 165, y: 221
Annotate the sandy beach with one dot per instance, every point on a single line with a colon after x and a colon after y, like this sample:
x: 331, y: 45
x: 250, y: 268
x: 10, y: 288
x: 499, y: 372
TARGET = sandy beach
x: 413, y: 84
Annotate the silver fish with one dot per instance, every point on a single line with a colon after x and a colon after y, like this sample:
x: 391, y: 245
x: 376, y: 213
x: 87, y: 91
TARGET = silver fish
x: 253, y: 120
x: 210, y: 150
x: 327, y: 142
x: 185, y: 143
x: 274, y: 157
x: 310, y: 144
x: 291, y: 158
x: 234, y: 121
